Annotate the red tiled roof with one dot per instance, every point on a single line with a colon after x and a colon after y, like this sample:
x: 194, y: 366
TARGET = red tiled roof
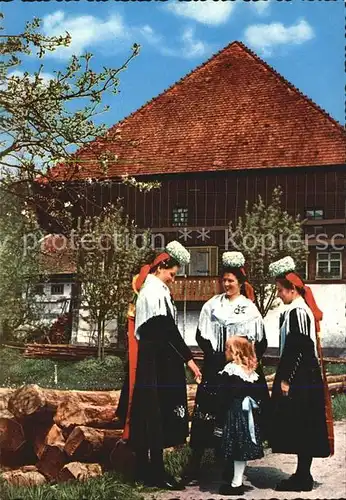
x: 56, y: 255
x: 233, y: 112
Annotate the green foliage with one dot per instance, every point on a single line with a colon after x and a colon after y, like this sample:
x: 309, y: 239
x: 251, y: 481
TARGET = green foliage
x: 177, y: 459
x: 37, y: 124
x: 89, y: 374
x: 19, y: 266
x: 106, y: 266
x: 105, y: 487
x: 263, y: 235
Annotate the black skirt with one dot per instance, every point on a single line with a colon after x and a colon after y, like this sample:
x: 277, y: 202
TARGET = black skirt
x: 234, y: 442
x: 159, y: 413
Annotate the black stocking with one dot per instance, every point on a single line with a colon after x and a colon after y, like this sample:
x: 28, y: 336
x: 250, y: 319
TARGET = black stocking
x: 303, y: 466
x: 142, y: 464
x: 196, y: 458
x: 156, y: 459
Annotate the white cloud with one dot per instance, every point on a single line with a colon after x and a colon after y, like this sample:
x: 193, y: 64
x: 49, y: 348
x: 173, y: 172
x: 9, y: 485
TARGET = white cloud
x: 89, y: 31
x: 149, y: 35
x: 209, y: 12
x: 264, y: 37
x: 261, y: 7
x: 189, y: 47
x: 45, y: 77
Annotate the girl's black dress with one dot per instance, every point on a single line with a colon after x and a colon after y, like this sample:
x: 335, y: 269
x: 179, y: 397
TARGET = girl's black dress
x: 204, y: 417
x: 237, y: 399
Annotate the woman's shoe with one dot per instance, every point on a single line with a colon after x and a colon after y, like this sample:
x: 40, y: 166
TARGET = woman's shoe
x: 227, y: 489
x: 190, y: 477
x: 168, y: 483
x: 295, y: 483
x: 190, y: 481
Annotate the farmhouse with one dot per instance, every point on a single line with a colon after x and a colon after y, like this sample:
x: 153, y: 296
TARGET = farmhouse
x: 230, y: 130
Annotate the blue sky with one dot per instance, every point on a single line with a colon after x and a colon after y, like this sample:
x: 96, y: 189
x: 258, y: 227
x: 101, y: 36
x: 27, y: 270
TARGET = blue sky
x: 303, y: 40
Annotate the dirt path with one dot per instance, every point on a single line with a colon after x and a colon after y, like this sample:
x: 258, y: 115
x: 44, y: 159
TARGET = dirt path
x: 262, y: 476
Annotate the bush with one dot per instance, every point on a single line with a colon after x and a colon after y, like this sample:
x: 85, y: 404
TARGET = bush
x: 89, y: 374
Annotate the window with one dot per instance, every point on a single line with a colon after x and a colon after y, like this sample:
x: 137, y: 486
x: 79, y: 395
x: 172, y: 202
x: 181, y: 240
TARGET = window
x: 329, y: 265
x: 38, y: 290
x: 203, y: 262
x: 180, y: 217
x: 314, y: 213
x: 57, y: 289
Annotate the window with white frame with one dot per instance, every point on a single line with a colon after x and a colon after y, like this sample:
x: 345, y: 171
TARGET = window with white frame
x: 180, y: 216
x: 329, y: 265
x: 57, y: 289
x: 203, y: 262
x: 314, y: 213
x: 39, y: 289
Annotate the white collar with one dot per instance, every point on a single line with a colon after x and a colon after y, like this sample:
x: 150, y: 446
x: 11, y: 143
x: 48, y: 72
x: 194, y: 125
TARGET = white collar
x: 233, y: 369
x: 239, y: 310
x: 154, y: 299
x: 152, y: 280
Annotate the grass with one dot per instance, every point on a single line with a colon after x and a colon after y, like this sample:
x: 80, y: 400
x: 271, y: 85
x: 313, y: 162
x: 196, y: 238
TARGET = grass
x: 336, y: 369
x: 339, y: 406
x: 177, y: 459
x: 88, y: 374
x: 106, y: 487
x: 269, y: 370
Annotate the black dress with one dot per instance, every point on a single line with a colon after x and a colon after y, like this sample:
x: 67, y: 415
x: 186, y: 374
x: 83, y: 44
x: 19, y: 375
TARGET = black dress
x: 299, y: 422
x: 233, y: 439
x: 204, y: 416
x: 159, y: 413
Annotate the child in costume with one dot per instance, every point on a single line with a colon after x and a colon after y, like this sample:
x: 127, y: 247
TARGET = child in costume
x: 237, y: 432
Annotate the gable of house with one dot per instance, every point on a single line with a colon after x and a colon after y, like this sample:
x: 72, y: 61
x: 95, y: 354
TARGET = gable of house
x: 233, y: 112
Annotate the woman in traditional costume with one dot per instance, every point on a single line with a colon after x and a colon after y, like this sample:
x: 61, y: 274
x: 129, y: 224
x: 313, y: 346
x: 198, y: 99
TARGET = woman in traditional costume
x: 157, y: 415
x: 230, y: 313
x: 302, y: 417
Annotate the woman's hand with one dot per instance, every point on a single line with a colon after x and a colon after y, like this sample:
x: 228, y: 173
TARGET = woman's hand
x: 285, y: 387
x: 195, y: 370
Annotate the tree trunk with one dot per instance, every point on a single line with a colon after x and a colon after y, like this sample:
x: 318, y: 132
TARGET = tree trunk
x: 79, y: 471
x: 23, y: 456
x: 52, y: 461
x: 5, y: 394
x: 44, y: 438
x: 103, y: 340
x: 86, y: 442
x: 269, y: 303
x: 99, y: 337
x: 69, y: 415
x: 32, y: 399
x: 23, y: 478
x: 11, y: 434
